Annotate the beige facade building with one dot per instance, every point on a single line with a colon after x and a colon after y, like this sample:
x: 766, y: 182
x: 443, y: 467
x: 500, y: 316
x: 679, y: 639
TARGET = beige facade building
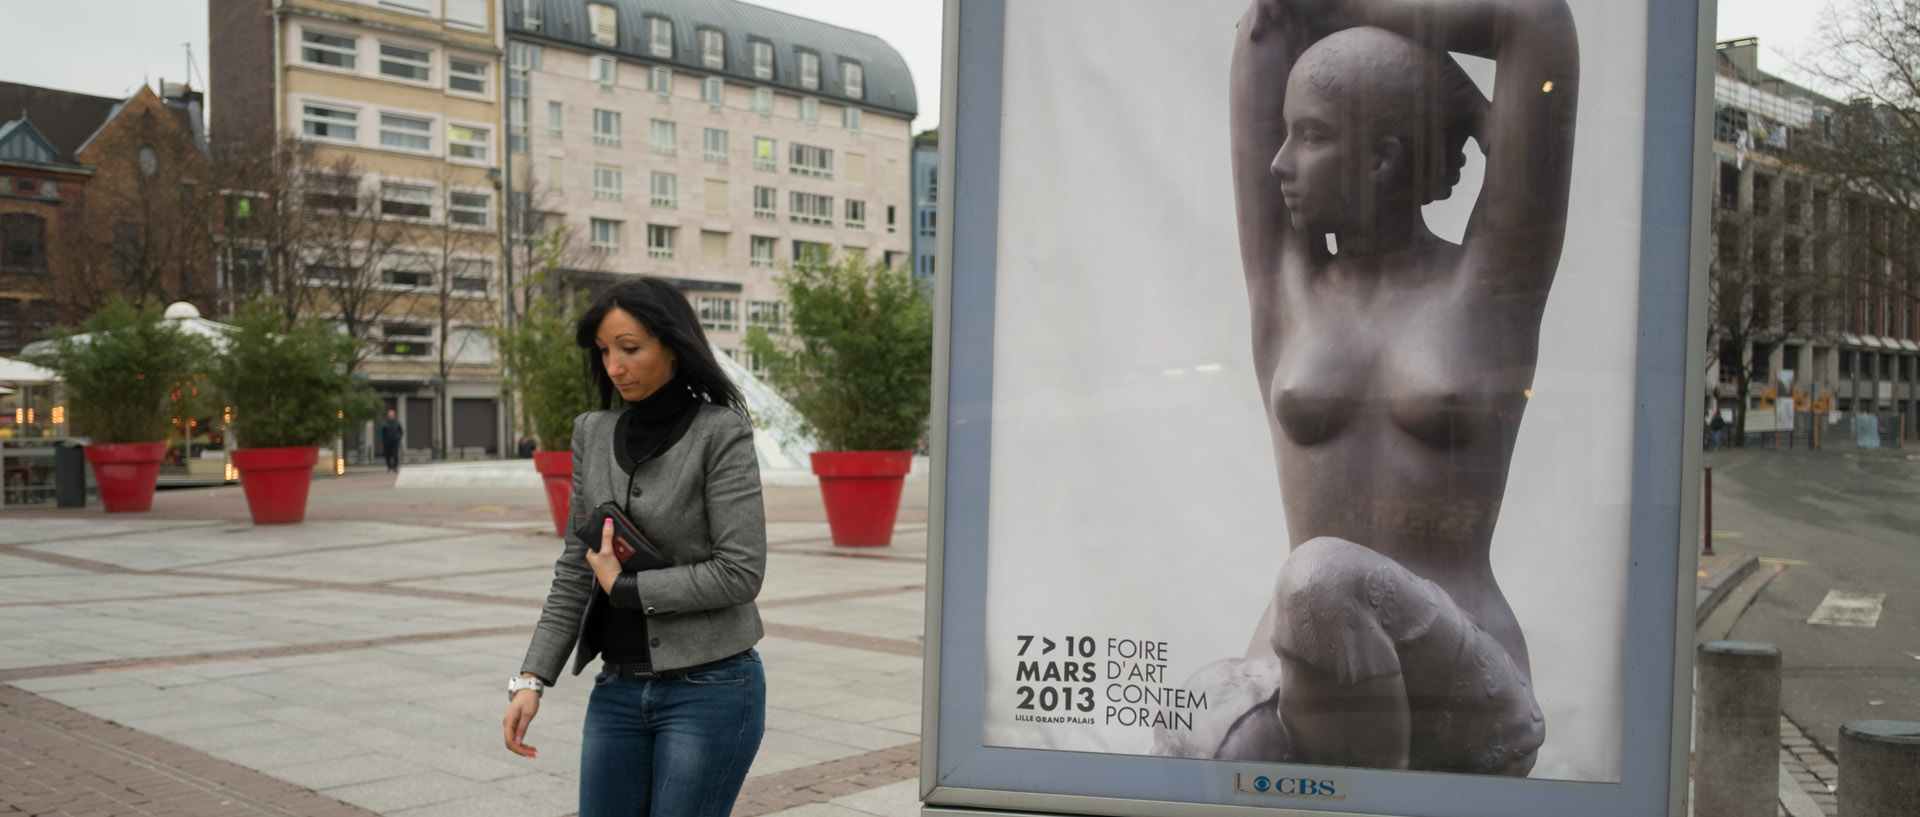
x: 707, y: 142
x: 400, y: 102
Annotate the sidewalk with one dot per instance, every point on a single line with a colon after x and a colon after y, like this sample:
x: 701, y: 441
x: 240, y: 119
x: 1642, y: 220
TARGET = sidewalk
x: 185, y: 662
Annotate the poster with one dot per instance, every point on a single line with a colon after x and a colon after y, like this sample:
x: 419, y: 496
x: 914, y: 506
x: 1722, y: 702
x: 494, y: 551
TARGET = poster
x: 1171, y: 420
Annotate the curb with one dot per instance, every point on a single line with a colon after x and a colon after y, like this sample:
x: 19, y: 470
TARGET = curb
x: 1716, y: 588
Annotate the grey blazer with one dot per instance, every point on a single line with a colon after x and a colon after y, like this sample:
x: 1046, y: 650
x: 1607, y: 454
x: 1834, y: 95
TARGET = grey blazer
x: 699, y: 503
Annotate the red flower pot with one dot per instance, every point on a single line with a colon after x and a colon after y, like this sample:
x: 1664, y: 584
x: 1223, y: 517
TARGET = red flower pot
x: 276, y: 481
x: 862, y: 492
x: 556, y: 470
x: 126, y: 474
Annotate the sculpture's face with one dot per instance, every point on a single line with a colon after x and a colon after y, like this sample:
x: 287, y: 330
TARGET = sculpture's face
x: 636, y: 361
x: 1323, y: 164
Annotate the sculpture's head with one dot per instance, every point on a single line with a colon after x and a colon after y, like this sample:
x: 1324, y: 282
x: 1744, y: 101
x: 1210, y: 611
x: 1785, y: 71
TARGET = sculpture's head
x: 1374, y: 121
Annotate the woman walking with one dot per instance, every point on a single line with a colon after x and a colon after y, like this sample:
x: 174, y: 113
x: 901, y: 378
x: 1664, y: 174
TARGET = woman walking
x: 679, y: 705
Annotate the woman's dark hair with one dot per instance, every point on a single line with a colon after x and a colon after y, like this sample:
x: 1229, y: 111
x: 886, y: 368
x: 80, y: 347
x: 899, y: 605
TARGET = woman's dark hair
x: 664, y: 312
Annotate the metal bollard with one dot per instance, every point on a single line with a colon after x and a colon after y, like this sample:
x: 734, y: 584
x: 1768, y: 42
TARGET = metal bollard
x: 1879, y: 769
x: 1736, y: 747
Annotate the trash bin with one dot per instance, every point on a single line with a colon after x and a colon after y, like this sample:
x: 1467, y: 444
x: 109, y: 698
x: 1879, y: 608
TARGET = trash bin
x: 69, y: 474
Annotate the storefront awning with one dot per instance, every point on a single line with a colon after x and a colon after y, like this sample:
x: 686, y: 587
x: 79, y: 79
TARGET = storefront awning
x: 1850, y: 338
x: 1871, y: 342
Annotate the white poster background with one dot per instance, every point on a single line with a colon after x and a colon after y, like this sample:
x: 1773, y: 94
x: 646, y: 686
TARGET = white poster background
x: 1133, y: 489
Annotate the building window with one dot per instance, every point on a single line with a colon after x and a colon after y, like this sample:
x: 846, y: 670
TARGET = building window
x: 604, y: 235
x: 466, y: 76
x: 767, y: 315
x: 606, y: 183
x: 713, y: 49
x: 23, y: 243
x: 806, y: 160
x: 468, y: 209
x: 762, y: 102
x: 606, y: 128
x: 665, y: 190
x: 604, y: 70
x: 470, y: 276
x: 406, y: 200
x: 604, y: 20
x: 891, y: 218
x: 809, y: 70
x: 530, y: 14
x: 811, y: 252
x: 406, y: 340
x: 467, y: 143
x: 856, y: 214
x: 555, y: 116
x: 760, y: 254
x: 713, y: 91
x: 810, y: 111
x: 327, y: 192
x: 718, y: 314
x: 556, y: 173
x: 660, y: 82
x: 660, y: 37
x: 402, y: 62
x: 402, y: 271
x: 714, y: 146
x: 470, y: 14
x: 850, y: 119
x: 763, y: 155
x: 517, y: 140
x: 408, y: 133
x: 330, y: 123
x: 663, y: 137
x: 765, y: 203
x: 521, y: 58
x: 808, y: 208
x: 762, y: 60
x: 321, y: 48
x: 853, y: 80
x: 713, y: 248
x: 660, y: 241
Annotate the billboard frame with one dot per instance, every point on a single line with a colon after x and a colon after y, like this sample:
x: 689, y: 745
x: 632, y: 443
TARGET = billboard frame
x: 1663, y: 512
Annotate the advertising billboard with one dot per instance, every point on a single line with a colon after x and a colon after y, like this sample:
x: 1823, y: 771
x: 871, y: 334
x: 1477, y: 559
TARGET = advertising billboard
x: 1311, y: 406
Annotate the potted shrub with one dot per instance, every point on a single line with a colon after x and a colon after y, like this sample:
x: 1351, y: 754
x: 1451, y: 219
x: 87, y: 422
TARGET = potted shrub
x: 120, y: 375
x: 539, y: 360
x: 858, y: 365
x: 289, y: 390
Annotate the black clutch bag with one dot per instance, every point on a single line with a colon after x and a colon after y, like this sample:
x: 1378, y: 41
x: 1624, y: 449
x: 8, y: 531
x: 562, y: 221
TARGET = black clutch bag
x: 630, y: 546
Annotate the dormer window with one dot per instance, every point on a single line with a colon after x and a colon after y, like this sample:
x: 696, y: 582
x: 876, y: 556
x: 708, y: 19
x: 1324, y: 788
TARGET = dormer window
x: 660, y: 37
x: 713, y: 49
x: 762, y: 60
x: 605, y: 22
x: 809, y: 70
x: 853, y: 80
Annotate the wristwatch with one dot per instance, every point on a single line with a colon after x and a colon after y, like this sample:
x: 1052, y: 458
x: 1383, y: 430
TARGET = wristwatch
x: 517, y: 683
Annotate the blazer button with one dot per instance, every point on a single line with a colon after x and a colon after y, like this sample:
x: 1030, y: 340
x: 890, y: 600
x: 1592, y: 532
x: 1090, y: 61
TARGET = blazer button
x: 654, y: 643
x: 649, y: 611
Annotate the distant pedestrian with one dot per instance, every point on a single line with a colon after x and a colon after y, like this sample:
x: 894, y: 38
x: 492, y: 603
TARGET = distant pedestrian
x: 1717, y: 429
x: 527, y: 447
x: 390, y: 435
x: 679, y: 706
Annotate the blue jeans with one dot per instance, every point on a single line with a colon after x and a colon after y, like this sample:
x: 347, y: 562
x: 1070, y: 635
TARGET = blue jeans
x: 676, y: 747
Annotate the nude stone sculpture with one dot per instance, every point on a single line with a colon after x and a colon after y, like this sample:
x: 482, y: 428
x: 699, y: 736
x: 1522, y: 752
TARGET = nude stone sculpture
x: 1395, y: 367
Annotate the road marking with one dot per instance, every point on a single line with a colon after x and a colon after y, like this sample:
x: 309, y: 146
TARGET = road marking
x: 1781, y: 560
x: 1843, y: 608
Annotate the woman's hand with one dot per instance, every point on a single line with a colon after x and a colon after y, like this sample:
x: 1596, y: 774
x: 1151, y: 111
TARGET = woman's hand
x: 606, y: 566
x: 520, y: 712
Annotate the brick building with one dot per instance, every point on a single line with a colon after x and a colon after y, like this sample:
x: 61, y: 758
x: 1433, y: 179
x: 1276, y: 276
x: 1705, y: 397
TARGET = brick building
x: 99, y: 196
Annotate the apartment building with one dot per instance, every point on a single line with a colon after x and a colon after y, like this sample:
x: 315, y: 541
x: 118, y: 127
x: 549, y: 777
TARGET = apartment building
x: 1831, y: 309
x: 926, y: 203
x: 399, y: 103
x: 707, y: 142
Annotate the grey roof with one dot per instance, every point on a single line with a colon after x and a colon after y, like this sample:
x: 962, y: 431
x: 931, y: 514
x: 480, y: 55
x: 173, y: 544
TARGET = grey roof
x: 888, y: 83
x: 64, y: 118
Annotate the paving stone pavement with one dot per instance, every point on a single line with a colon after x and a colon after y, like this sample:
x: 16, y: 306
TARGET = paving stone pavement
x: 185, y: 662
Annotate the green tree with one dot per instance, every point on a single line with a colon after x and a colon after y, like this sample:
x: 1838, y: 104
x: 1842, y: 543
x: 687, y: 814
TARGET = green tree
x: 122, y: 373
x: 538, y: 354
x: 858, y: 362
x: 289, y: 387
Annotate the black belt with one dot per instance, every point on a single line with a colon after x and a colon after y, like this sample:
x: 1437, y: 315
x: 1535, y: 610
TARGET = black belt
x: 646, y: 672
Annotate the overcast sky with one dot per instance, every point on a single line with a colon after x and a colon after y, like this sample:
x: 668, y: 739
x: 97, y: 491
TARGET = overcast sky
x: 108, y: 47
